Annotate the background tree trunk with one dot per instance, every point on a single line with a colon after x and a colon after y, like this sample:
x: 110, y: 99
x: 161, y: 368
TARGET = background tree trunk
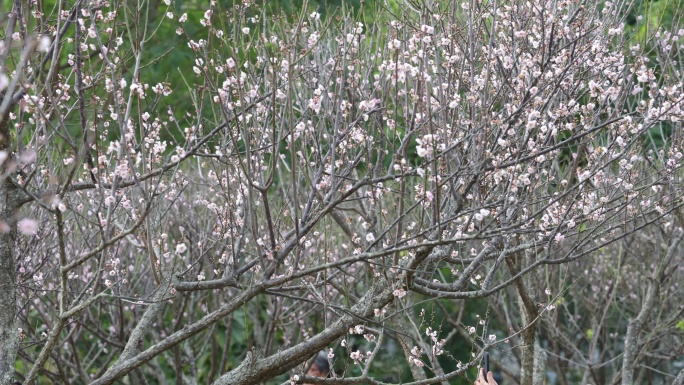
x: 636, y: 325
x: 680, y: 378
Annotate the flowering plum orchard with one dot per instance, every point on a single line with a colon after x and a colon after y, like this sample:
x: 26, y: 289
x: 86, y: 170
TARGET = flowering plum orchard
x: 404, y: 191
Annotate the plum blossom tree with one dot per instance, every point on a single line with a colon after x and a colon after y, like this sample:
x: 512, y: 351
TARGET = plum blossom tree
x: 338, y: 184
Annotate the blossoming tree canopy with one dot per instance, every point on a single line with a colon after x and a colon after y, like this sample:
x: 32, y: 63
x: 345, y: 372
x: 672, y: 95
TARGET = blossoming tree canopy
x: 216, y: 193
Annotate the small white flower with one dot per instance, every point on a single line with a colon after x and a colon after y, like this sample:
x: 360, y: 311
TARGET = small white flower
x: 416, y: 361
x: 245, y: 30
x: 44, y: 44
x: 27, y: 226
x: 4, y: 81
x: 181, y: 248
x: 559, y: 238
x: 370, y: 237
x: 399, y: 293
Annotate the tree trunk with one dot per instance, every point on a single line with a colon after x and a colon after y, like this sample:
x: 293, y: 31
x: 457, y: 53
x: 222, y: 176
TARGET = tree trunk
x: 527, y: 289
x: 8, y: 297
x: 539, y: 376
x: 528, y: 355
x: 633, y: 330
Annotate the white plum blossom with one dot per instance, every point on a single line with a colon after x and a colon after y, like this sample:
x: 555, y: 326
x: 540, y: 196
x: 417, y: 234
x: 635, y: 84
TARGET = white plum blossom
x: 4, y: 81
x: 357, y: 356
x: 43, y: 45
x: 181, y: 248
x: 27, y: 226
x: 559, y: 237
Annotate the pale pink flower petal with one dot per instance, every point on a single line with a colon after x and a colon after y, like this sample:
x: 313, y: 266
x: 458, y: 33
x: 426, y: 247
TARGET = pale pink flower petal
x: 27, y: 226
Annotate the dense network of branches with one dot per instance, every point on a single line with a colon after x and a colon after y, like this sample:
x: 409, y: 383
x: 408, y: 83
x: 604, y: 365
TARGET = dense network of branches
x: 404, y: 192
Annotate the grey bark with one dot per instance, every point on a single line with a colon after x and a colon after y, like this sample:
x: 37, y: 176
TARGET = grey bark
x: 539, y: 375
x: 123, y: 367
x: 255, y: 369
x: 135, y: 341
x: 528, y: 355
x: 526, y: 289
x: 680, y: 378
x: 8, y: 296
x: 8, y: 323
x: 399, y: 323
